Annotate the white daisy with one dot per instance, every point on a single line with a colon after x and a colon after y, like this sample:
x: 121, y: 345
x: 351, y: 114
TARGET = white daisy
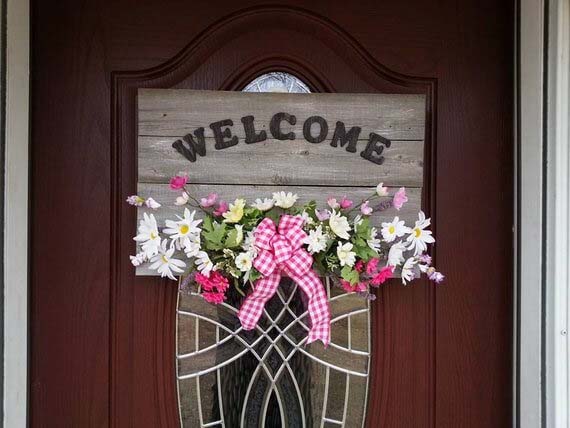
x: 243, y: 261
x: 138, y: 259
x: 419, y: 238
x: 345, y: 255
x: 357, y: 221
x: 203, y: 263
x: 373, y: 242
x: 408, y: 273
x: 182, y: 230
x: 284, y: 200
x: 249, y: 244
x: 394, y: 229
x: 307, y: 219
x: 396, y: 254
x: 148, y: 236
x: 165, y: 264
x: 316, y: 240
x: 193, y: 246
x: 263, y: 205
x: 339, y: 225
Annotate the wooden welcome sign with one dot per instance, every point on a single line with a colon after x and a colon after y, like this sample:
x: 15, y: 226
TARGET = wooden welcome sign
x: 240, y: 144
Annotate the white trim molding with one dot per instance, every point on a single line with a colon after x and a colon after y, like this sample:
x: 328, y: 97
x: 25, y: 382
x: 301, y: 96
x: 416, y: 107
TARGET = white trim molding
x: 542, y: 376
x: 16, y: 214
x: 557, y: 262
x: 529, y: 212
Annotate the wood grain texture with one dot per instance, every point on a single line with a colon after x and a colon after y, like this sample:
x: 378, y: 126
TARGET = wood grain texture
x: 99, y: 341
x: 292, y: 162
x: 171, y: 112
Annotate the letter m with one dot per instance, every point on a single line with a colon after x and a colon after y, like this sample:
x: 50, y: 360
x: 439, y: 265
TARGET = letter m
x: 343, y: 137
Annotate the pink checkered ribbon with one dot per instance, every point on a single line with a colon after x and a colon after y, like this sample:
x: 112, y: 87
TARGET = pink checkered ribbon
x: 280, y: 253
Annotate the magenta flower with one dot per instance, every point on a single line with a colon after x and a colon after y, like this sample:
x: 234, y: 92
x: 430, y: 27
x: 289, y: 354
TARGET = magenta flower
x: 222, y: 208
x: 178, y: 182
x: 322, y: 215
x: 372, y: 265
x: 345, y: 203
x: 359, y: 266
x: 215, y: 298
x: 400, y: 198
x: 365, y: 209
x: 381, y: 277
x: 209, y: 201
x: 349, y: 288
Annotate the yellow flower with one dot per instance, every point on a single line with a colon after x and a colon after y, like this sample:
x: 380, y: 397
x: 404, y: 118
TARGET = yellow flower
x: 235, y: 213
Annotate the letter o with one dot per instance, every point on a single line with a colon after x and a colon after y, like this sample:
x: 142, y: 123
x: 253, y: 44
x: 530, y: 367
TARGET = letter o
x: 324, y: 129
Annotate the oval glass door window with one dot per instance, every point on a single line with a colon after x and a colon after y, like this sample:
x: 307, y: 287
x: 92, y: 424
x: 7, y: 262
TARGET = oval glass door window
x: 269, y: 377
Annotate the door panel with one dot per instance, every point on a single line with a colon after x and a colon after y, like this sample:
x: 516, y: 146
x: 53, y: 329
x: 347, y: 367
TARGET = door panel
x: 102, y: 341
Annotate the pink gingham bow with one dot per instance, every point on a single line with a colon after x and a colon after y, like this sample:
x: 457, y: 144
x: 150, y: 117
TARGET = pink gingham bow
x: 280, y: 252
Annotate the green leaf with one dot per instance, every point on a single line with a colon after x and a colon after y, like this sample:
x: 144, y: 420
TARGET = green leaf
x: 207, y: 224
x: 254, y: 275
x: 231, y: 240
x: 349, y: 274
x: 215, y: 236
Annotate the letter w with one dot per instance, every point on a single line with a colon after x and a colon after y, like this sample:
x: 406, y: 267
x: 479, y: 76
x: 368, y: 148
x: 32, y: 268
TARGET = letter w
x: 188, y: 147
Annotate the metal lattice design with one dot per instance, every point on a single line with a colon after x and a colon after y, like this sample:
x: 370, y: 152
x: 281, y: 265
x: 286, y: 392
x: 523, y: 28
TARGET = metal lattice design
x: 268, y: 377
x: 277, y: 82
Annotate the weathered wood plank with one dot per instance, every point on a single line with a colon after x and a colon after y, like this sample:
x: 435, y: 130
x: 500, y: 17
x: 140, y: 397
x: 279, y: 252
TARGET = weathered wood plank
x: 290, y: 162
x: 173, y: 112
x: 164, y: 195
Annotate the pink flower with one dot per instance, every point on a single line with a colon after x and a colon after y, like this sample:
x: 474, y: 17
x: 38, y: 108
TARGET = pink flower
x: 135, y: 201
x: 178, y: 182
x: 322, y: 215
x: 349, y: 288
x: 365, y: 209
x: 359, y: 266
x: 333, y: 203
x: 214, y: 298
x: 222, y: 208
x: 151, y: 203
x: 372, y: 265
x: 381, y: 277
x: 209, y: 201
x: 204, y: 281
x: 345, y: 203
x: 219, y: 281
x: 400, y: 198
x: 214, y: 286
x: 436, y: 277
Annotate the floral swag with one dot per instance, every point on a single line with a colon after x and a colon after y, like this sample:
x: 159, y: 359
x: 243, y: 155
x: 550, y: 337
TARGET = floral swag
x: 273, y: 237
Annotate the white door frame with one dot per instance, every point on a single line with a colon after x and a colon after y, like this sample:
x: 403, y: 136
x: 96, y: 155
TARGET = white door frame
x: 542, y: 215
x: 16, y: 214
x: 542, y: 211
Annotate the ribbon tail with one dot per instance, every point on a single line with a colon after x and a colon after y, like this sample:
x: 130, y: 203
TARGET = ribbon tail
x: 252, y: 308
x: 318, y: 308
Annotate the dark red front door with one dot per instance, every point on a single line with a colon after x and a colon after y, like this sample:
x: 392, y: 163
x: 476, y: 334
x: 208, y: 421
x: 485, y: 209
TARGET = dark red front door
x: 102, y: 341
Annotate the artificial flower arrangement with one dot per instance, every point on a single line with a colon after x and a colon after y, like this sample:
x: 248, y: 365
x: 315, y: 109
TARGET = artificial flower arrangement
x: 273, y: 237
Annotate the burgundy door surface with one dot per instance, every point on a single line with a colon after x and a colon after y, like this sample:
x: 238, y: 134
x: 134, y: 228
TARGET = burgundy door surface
x: 102, y: 340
